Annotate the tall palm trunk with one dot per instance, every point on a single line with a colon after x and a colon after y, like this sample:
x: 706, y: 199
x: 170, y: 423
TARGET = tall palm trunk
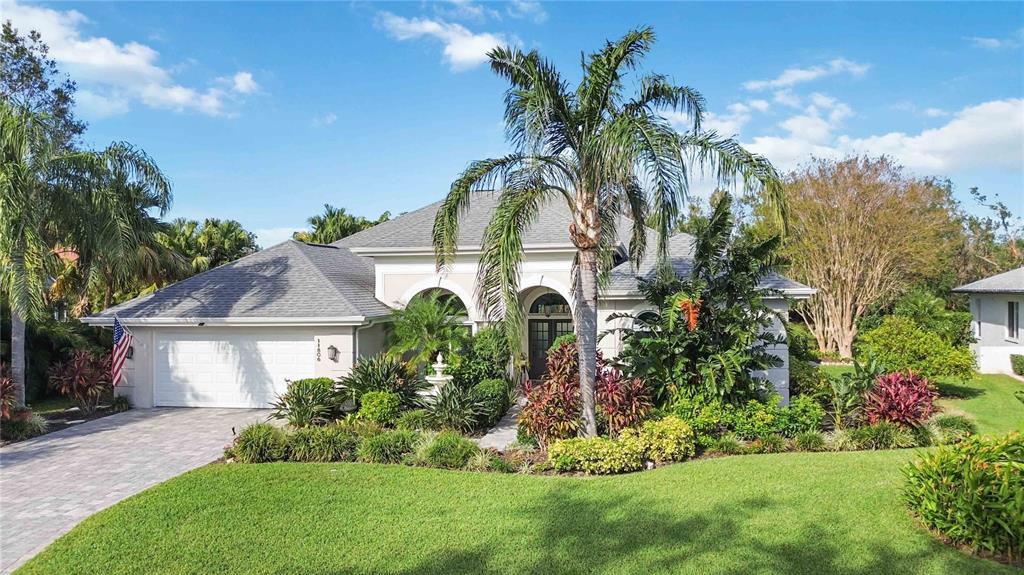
x: 586, y: 335
x: 18, y: 357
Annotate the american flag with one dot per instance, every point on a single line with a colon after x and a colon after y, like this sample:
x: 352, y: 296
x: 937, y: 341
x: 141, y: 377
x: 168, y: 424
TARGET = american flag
x: 122, y: 342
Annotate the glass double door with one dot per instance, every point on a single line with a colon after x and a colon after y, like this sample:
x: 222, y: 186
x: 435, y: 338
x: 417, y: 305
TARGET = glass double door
x: 541, y: 333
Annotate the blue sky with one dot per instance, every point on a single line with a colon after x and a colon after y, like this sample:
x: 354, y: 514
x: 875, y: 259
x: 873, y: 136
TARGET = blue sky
x: 263, y: 112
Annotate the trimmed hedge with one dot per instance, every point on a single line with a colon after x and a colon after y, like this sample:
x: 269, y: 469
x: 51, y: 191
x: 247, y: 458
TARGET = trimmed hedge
x: 1017, y: 363
x: 973, y: 493
x: 493, y: 396
x: 380, y: 407
x: 597, y: 455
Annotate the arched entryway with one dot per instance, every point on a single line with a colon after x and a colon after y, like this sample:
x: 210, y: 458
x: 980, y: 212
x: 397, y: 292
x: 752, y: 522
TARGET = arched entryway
x: 548, y: 316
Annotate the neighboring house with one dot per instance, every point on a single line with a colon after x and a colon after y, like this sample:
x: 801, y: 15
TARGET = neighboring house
x: 996, y: 304
x: 231, y: 336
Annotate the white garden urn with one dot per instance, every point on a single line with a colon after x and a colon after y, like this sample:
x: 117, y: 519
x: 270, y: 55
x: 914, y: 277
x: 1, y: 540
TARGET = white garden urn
x: 438, y: 379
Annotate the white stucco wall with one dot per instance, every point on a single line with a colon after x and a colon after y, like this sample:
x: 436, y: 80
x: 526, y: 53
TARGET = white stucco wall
x: 993, y: 348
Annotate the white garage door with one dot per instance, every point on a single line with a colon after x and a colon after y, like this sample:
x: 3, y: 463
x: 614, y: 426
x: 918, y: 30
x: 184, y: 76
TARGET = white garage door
x: 229, y: 367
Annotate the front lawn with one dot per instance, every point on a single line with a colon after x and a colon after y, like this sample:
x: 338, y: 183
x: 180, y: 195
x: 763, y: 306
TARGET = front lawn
x: 988, y: 400
x: 786, y: 513
x: 789, y: 513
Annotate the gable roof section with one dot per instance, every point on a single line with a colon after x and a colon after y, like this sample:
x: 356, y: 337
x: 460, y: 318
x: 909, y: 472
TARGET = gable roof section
x: 415, y: 229
x: 1006, y: 282
x: 286, y: 281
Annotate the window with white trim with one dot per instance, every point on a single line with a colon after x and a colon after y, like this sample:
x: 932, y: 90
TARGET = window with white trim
x: 1013, y: 320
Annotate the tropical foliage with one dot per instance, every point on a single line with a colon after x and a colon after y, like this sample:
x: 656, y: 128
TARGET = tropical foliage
x: 334, y: 224
x: 712, y: 327
x: 429, y: 324
x: 605, y: 154
x: 900, y: 344
x: 208, y: 245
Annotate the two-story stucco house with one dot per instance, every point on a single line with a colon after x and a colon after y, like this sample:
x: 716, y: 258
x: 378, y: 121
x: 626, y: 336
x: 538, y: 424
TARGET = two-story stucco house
x: 231, y: 336
x: 996, y: 304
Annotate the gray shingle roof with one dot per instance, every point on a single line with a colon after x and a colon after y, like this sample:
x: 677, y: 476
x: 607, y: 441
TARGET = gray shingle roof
x: 415, y: 229
x: 1006, y: 282
x: 289, y: 280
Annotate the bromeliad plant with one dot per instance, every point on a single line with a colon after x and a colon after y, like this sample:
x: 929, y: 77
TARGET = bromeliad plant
x: 712, y: 327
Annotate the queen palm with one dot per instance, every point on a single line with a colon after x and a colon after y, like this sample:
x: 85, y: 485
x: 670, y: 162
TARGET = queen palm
x: 605, y: 155
x: 59, y: 200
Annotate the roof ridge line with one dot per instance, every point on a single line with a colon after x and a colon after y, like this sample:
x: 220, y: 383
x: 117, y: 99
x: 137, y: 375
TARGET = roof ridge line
x: 296, y: 245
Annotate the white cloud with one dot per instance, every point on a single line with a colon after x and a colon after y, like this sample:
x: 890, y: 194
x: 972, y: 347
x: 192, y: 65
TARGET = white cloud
x: 935, y: 112
x: 793, y: 76
x: 787, y: 98
x: 527, y: 9
x: 759, y: 105
x: 267, y: 237
x: 985, y: 136
x: 465, y: 10
x: 462, y: 48
x: 243, y: 83
x: 106, y: 70
x: 989, y: 43
x: 325, y: 120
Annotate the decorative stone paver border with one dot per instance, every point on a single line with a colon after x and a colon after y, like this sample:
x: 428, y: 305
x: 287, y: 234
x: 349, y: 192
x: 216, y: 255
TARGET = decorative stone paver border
x: 50, y: 483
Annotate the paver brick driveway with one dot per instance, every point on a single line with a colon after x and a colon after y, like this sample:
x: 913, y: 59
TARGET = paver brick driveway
x: 50, y: 483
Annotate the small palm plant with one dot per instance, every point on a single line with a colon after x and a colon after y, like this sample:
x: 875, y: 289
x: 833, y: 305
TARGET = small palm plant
x: 605, y: 155
x: 429, y: 324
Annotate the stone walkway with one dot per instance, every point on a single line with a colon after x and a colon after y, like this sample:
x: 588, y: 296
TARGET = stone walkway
x: 50, y: 483
x: 504, y: 433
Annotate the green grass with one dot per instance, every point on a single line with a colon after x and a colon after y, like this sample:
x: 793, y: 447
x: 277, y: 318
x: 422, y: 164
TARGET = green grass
x: 51, y: 405
x: 988, y: 400
x: 786, y: 513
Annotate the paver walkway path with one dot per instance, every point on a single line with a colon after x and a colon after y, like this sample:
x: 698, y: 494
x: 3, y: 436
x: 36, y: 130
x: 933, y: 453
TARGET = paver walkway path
x: 504, y: 433
x: 50, y: 483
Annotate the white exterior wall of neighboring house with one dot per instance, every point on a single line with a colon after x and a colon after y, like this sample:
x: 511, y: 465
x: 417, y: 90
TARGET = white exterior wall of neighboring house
x: 994, y: 344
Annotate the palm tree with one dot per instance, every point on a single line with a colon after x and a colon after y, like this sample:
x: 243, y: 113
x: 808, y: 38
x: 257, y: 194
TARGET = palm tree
x: 334, y: 224
x: 429, y: 324
x: 54, y: 199
x: 214, y: 243
x: 605, y: 156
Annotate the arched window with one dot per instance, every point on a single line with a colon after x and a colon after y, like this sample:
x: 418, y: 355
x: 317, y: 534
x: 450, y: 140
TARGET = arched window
x: 646, y: 317
x: 445, y: 297
x: 550, y: 304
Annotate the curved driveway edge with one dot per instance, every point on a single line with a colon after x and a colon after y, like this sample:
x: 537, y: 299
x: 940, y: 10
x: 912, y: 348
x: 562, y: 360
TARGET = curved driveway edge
x: 50, y: 483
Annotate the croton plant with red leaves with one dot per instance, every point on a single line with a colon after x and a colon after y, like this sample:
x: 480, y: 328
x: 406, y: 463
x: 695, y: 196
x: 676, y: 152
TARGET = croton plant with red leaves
x: 904, y: 398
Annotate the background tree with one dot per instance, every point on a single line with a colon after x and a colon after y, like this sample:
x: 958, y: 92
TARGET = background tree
x: 29, y: 78
x: 54, y: 199
x: 334, y: 224
x: 208, y: 245
x: 862, y: 232
x: 604, y: 154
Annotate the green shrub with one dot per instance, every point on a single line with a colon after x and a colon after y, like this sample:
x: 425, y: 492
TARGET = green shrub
x: 569, y: 338
x: 756, y: 419
x: 449, y: 450
x: 773, y: 443
x: 973, y: 493
x: 260, y: 443
x: 950, y: 428
x: 22, y: 428
x: 380, y: 407
x: 415, y: 420
x: 726, y: 445
x: 802, y: 414
x: 388, y: 447
x: 494, y: 397
x: 840, y: 440
x: 456, y: 408
x: 1019, y: 394
x: 706, y: 417
x: 810, y: 441
x: 597, y: 455
x: 485, y: 355
x: 1017, y: 363
x: 664, y: 440
x: 901, y: 345
x: 306, y: 402
x: 384, y: 373
x: 322, y: 444
x: 120, y: 403
x: 881, y: 435
x: 360, y: 428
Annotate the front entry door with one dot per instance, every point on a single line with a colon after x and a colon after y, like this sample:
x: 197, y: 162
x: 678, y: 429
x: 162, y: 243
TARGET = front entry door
x: 541, y: 334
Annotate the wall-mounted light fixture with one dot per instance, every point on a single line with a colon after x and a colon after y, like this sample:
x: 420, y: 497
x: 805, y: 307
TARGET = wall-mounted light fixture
x: 131, y: 352
x: 332, y: 353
